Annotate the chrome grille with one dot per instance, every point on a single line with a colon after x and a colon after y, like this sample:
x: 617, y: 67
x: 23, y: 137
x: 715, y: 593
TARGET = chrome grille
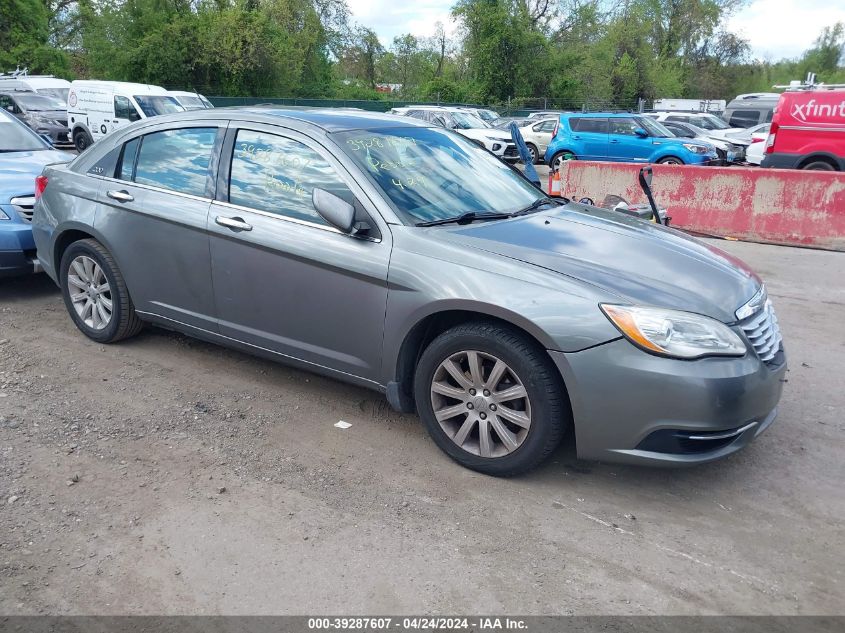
x: 763, y: 332
x: 24, y: 206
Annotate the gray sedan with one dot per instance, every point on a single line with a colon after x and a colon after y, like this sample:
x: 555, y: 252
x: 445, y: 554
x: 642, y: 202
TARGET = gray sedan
x: 402, y: 257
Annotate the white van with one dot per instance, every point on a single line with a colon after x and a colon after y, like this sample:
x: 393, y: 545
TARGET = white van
x: 190, y: 100
x: 95, y: 108
x: 42, y: 84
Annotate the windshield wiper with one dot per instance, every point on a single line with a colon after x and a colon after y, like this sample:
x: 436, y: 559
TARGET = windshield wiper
x: 466, y: 218
x: 533, y: 206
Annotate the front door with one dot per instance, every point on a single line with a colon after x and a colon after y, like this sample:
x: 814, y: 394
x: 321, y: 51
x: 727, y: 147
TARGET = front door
x: 626, y: 146
x: 285, y: 280
x: 154, y: 211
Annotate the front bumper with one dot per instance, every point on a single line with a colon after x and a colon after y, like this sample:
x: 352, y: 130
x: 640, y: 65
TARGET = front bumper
x: 633, y: 407
x: 17, y: 248
x: 59, y: 134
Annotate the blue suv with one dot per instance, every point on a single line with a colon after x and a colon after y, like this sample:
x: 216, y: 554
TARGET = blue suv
x: 626, y: 138
x: 23, y: 154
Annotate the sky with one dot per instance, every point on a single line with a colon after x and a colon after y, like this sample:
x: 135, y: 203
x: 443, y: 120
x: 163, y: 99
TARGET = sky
x: 774, y: 28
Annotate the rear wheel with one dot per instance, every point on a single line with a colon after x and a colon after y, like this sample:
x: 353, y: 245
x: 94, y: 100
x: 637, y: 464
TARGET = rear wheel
x: 670, y: 160
x: 82, y: 140
x: 95, y: 293
x: 559, y: 158
x: 819, y: 165
x: 535, y: 153
x: 491, y: 398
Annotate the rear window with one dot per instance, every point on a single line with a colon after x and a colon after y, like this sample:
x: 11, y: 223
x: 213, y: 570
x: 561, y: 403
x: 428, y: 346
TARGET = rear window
x: 586, y: 124
x: 744, y: 118
x: 175, y: 159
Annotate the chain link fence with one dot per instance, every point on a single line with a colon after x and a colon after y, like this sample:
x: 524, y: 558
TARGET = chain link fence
x: 512, y: 107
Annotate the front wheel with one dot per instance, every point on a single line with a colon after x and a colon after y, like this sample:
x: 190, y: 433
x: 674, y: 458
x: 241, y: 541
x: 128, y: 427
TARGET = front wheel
x: 670, y: 160
x: 95, y: 293
x: 491, y: 398
x: 82, y: 140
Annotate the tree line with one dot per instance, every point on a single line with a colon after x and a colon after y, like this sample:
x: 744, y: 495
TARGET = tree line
x: 567, y: 51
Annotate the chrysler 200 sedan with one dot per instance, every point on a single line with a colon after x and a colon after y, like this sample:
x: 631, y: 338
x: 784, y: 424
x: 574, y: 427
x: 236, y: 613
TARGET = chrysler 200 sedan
x: 402, y: 257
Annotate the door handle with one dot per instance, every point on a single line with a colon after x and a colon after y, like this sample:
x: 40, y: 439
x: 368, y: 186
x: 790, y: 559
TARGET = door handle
x: 120, y: 196
x: 613, y: 140
x: 576, y: 137
x: 236, y: 224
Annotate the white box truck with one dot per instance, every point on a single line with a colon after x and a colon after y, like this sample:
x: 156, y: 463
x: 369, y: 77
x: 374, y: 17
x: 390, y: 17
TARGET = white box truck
x: 96, y: 108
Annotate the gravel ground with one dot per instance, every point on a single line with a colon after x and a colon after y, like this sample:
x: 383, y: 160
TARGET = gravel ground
x: 166, y: 475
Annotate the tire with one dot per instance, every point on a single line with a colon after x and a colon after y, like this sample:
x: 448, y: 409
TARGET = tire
x: 545, y: 406
x: 535, y: 153
x: 558, y: 158
x: 819, y: 165
x: 670, y: 160
x: 85, y: 256
x: 82, y: 140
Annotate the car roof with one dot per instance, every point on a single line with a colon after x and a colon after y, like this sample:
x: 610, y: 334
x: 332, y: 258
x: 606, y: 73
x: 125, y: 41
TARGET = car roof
x: 327, y: 119
x: 603, y: 115
x: 125, y: 86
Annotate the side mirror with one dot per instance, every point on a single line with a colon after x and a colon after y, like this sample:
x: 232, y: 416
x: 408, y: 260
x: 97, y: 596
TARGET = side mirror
x: 134, y: 116
x: 640, y: 132
x: 334, y: 210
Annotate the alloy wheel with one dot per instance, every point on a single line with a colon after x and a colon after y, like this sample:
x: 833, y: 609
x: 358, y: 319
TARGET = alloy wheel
x: 90, y: 292
x: 481, y: 404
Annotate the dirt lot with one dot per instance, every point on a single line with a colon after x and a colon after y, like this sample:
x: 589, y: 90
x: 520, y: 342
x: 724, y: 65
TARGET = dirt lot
x: 165, y: 475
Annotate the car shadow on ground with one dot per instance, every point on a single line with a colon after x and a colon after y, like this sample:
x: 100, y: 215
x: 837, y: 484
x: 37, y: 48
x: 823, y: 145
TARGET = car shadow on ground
x: 26, y: 287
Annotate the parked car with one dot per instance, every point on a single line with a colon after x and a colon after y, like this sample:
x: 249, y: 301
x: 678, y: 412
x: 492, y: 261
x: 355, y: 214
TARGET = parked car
x: 808, y: 131
x: 729, y: 151
x: 46, y: 85
x: 23, y: 155
x: 485, y: 114
x: 751, y: 109
x: 45, y: 114
x: 538, y: 135
x: 756, y: 151
x: 97, y: 108
x: 747, y: 134
x: 713, y: 124
x: 467, y: 124
x: 399, y: 256
x: 623, y: 138
x: 190, y: 100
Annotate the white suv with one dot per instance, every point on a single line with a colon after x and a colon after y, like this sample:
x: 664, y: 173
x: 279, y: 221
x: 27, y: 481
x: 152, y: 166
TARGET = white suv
x: 464, y: 122
x: 706, y: 121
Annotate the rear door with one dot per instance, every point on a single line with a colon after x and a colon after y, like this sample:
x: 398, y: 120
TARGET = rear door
x: 590, y: 133
x: 153, y: 215
x: 624, y: 145
x: 284, y: 279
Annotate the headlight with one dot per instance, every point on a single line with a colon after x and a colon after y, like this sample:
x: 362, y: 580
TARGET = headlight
x: 674, y: 333
x: 697, y: 149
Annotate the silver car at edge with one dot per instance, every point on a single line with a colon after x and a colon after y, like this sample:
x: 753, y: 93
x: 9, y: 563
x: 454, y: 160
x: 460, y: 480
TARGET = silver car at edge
x: 401, y: 257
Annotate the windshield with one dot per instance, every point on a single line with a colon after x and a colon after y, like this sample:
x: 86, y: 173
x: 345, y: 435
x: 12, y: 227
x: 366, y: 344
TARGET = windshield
x: 155, y: 105
x: 709, y: 122
x: 16, y: 137
x: 59, y: 93
x: 654, y: 128
x: 34, y: 103
x: 487, y: 115
x: 433, y: 174
x: 466, y: 121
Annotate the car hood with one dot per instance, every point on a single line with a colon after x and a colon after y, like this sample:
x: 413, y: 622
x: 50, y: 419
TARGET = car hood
x: 637, y: 261
x: 725, y: 134
x: 19, y: 169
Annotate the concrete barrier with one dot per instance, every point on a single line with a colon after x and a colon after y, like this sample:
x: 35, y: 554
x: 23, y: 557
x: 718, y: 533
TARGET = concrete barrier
x: 799, y: 208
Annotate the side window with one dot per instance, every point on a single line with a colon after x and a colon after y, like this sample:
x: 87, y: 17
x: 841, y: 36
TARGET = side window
x: 744, y: 118
x: 625, y: 127
x: 277, y: 175
x: 123, y: 109
x: 548, y: 126
x: 126, y: 167
x: 176, y: 159
x: 597, y: 126
x: 676, y: 118
x: 769, y: 116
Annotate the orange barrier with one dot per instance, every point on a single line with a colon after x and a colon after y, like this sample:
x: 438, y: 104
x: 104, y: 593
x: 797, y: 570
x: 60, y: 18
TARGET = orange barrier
x: 778, y: 206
